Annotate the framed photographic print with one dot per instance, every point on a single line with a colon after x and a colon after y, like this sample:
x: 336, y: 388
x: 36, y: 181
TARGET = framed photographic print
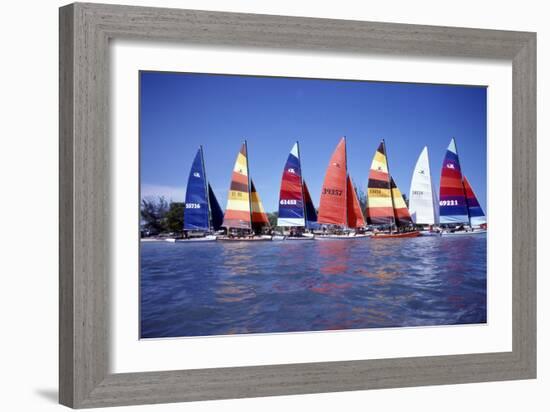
x: 257, y: 205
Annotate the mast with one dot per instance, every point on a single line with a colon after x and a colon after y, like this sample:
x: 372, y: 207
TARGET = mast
x: 302, y: 184
x: 434, y: 202
x: 249, y: 183
x: 206, y: 187
x: 347, y: 175
x: 389, y: 185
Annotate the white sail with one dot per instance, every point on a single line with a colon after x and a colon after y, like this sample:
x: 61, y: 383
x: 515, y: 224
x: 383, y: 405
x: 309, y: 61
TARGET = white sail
x: 422, y: 198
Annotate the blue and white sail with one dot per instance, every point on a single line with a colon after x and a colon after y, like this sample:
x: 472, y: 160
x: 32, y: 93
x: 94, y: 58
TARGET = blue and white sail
x: 196, y: 216
x: 291, y: 196
x: 477, y: 216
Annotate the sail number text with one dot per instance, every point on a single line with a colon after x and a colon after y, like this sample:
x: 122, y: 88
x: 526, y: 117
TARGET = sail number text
x: 448, y: 203
x: 192, y: 206
x: 335, y: 192
x: 288, y: 202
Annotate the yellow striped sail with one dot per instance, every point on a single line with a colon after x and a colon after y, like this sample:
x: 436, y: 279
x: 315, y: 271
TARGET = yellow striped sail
x: 237, y: 213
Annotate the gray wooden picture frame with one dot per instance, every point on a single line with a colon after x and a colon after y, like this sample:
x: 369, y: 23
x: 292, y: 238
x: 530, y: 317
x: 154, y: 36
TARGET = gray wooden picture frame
x: 85, y: 32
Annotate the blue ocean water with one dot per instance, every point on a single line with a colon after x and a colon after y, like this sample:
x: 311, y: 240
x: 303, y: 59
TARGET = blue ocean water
x: 219, y: 288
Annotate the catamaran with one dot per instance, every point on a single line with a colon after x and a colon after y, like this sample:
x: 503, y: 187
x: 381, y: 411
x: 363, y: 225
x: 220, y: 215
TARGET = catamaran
x: 245, y: 218
x: 339, y: 207
x: 459, y: 209
x: 386, y: 208
x: 423, y: 204
x: 203, y: 215
x: 296, y: 211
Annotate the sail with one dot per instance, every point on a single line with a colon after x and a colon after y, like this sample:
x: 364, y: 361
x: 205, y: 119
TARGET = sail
x: 401, y: 212
x: 422, y: 200
x: 259, y: 217
x: 215, y: 209
x: 291, y: 203
x: 355, y: 216
x: 332, y: 206
x: 379, y: 200
x: 477, y: 217
x: 311, y: 213
x: 196, y: 216
x: 452, y: 199
x: 237, y: 213
x: 436, y: 204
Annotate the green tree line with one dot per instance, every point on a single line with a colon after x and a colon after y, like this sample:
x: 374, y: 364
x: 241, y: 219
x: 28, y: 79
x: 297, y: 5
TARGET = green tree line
x: 160, y: 216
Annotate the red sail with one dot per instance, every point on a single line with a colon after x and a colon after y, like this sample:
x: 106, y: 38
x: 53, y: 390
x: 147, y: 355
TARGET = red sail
x: 332, y: 206
x: 355, y: 216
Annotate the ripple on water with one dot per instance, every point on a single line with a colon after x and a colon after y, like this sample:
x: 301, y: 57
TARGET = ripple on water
x: 222, y: 288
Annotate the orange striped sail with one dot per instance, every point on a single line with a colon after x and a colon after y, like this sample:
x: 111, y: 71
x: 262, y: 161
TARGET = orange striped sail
x: 379, y: 197
x: 332, y: 206
x: 237, y: 213
x: 355, y: 216
x: 402, y: 215
x: 259, y: 217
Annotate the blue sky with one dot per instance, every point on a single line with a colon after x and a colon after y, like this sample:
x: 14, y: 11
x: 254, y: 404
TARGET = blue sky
x: 179, y: 112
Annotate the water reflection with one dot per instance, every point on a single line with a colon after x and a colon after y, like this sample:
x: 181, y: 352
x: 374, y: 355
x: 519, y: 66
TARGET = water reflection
x: 230, y: 288
x: 235, y: 257
x: 333, y: 256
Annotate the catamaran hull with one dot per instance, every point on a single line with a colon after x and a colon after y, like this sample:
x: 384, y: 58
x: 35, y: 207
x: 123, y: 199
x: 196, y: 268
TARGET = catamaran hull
x: 340, y: 237
x: 245, y: 239
x: 395, y: 235
x: 464, y: 233
x: 428, y: 233
x: 280, y: 238
x: 209, y: 238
